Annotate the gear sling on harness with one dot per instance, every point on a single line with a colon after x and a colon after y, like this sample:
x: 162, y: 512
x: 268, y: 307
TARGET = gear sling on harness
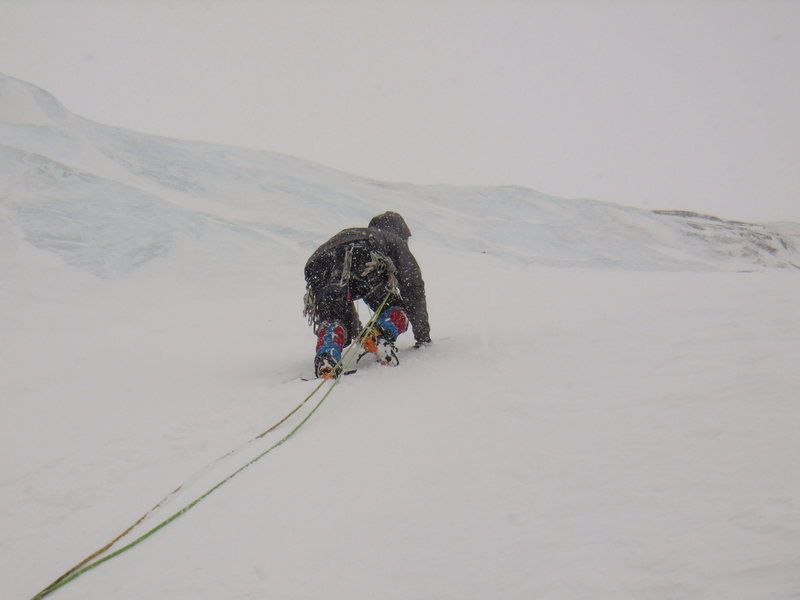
x: 349, y: 273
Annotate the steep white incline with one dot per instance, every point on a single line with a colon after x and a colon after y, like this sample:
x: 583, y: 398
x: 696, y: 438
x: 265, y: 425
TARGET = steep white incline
x: 607, y: 411
x: 100, y: 197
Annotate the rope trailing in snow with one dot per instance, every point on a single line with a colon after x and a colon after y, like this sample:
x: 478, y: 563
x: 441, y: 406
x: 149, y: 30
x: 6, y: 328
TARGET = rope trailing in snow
x: 87, y: 565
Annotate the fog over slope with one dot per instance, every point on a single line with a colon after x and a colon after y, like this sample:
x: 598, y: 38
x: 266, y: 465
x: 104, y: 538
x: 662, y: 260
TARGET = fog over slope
x: 109, y: 200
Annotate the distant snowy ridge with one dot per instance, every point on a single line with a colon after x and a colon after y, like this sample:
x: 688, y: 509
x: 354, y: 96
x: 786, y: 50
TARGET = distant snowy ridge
x: 109, y: 200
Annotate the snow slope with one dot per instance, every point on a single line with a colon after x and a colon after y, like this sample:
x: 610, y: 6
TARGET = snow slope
x: 609, y: 408
x: 146, y: 194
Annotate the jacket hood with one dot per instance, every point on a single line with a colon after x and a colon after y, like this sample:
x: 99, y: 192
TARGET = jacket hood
x: 391, y: 222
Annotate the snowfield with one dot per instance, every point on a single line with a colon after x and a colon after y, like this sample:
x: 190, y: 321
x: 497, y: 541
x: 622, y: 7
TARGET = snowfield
x: 609, y: 408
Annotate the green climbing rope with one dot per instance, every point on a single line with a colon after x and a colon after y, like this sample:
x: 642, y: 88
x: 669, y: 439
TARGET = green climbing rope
x: 88, y: 564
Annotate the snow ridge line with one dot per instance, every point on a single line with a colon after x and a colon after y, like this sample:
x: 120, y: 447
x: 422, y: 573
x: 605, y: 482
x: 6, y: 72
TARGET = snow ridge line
x: 87, y: 565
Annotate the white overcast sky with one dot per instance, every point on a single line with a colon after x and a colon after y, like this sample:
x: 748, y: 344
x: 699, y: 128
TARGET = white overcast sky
x: 681, y: 104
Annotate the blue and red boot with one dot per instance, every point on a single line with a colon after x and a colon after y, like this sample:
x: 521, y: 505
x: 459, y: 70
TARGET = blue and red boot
x: 380, y: 339
x: 331, y: 338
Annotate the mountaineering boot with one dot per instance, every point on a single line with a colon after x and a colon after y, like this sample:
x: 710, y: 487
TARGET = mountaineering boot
x: 376, y: 342
x: 326, y: 367
x: 380, y: 339
x: 386, y: 353
x: 392, y: 322
x: 330, y: 341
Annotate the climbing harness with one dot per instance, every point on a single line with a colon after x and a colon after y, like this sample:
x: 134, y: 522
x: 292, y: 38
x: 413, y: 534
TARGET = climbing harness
x: 378, y: 268
x: 344, y: 280
x: 92, y: 561
x: 381, y: 264
x: 386, y: 280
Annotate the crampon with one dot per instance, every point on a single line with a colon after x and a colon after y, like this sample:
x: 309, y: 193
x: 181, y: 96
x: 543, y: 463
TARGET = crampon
x: 326, y: 367
x: 383, y: 349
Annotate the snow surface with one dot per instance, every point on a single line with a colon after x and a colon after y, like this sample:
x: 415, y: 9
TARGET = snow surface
x: 609, y: 408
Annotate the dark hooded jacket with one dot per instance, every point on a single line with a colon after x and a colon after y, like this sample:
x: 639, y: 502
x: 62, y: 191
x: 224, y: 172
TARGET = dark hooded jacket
x: 387, y: 233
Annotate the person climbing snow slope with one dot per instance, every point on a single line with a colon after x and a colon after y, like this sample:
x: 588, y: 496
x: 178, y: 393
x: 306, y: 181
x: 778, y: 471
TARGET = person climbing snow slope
x: 365, y: 263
